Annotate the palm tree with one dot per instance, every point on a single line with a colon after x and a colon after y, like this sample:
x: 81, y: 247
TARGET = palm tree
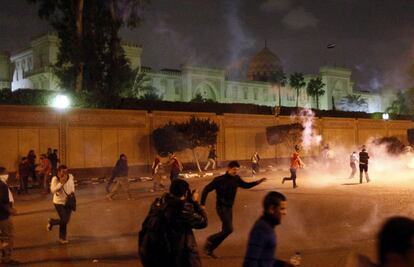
x: 315, y: 89
x: 278, y: 79
x: 297, y: 81
x: 354, y: 103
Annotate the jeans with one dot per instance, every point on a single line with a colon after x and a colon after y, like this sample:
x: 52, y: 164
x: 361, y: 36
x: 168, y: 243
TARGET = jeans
x: 226, y: 216
x: 23, y: 184
x: 64, y: 217
x: 353, y: 167
x: 292, y: 176
x: 174, y: 175
x: 212, y: 162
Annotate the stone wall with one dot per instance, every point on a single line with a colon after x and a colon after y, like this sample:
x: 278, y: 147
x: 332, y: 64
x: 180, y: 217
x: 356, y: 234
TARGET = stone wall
x: 93, y: 139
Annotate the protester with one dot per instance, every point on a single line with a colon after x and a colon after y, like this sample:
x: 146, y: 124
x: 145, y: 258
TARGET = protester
x: 211, y: 159
x: 295, y: 163
x: 226, y: 188
x: 262, y: 243
x: 255, y: 163
x: 120, y: 174
x: 363, y: 165
x: 172, y: 243
x: 6, y: 223
x: 395, y: 243
x: 176, y: 167
x: 45, y: 172
x: 23, y: 173
x: 353, y: 160
x: 62, y: 186
x: 157, y: 185
x: 54, y: 160
x: 31, y: 158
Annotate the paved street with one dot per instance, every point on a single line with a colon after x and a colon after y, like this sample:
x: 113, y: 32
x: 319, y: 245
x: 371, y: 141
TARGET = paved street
x: 329, y: 220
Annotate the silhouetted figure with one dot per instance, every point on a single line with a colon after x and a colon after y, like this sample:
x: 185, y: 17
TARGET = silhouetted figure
x: 226, y: 188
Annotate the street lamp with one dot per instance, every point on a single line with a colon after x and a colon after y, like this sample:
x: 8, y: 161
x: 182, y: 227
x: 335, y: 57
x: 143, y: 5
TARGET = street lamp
x: 385, y: 116
x: 61, y: 102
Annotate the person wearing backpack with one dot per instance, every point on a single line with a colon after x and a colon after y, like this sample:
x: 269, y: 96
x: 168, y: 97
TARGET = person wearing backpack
x: 166, y: 237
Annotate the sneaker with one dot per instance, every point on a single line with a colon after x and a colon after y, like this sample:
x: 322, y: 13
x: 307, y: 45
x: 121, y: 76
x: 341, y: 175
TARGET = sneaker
x: 295, y: 186
x: 63, y: 241
x: 109, y: 197
x: 49, y: 225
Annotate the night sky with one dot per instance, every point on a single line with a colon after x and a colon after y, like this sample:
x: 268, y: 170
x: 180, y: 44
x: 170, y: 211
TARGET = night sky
x: 375, y: 38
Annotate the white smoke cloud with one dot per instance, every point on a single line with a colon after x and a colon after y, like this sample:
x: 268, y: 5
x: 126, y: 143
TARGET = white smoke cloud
x: 275, y: 5
x: 299, y: 18
x: 240, y: 40
x: 309, y: 137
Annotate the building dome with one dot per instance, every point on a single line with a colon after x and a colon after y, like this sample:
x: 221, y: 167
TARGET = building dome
x: 262, y: 65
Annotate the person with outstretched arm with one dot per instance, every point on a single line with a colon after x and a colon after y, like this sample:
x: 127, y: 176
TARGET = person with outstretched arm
x: 226, y: 188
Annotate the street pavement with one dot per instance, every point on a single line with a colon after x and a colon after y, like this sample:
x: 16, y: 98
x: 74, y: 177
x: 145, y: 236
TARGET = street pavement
x: 330, y: 220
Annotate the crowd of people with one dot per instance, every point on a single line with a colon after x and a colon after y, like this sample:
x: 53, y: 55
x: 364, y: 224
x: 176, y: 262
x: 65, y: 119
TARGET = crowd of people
x: 166, y: 237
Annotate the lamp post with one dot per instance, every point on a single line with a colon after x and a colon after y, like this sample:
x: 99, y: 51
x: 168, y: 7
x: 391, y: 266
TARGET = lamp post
x: 385, y: 116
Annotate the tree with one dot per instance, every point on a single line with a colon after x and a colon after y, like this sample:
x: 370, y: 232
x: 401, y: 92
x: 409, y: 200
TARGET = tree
x: 354, y: 103
x: 168, y: 139
x: 401, y: 105
x: 278, y: 79
x: 90, y: 55
x: 315, y: 89
x: 199, y: 133
x: 175, y: 137
x: 297, y: 81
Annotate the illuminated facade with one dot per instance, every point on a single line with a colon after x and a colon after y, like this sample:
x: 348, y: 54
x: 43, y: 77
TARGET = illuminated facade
x: 33, y: 68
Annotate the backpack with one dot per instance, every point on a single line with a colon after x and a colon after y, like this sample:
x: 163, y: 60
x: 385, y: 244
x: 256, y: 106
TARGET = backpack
x: 153, y: 240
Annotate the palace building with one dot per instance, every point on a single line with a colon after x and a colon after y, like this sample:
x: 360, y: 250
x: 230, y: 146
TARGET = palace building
x: 32, y: 68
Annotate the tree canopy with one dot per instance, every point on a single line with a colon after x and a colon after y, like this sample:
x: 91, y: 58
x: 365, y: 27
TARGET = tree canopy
x: 296, y: 81
x: 315, y: 89
x: 90, y: 55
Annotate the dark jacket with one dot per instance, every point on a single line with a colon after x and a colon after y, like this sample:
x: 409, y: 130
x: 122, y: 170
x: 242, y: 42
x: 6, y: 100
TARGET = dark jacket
x: 53, y: 158
x: 261, y: 246
x: 121, y: 168
x: 363, y: 157
x: 4, y: 201
x: 180, y: 218
x: 24, y: 169
x: 212, y: 154
x: 226, y: 189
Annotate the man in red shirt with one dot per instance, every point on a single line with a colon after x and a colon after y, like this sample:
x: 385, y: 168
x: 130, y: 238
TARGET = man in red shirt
x: 45, y: 171
x: 295, y: 163
x: 176, y: 167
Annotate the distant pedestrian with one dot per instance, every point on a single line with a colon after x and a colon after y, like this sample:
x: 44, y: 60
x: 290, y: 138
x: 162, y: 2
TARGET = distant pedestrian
x: 226, y: 188
x: 262, y: 242
x: 166, y: 237
x: 353, y: 160
x: 23, y: 174
x: 120, y: 173
x: 156, y: 164
x: 295, y: 164
x: 176, y: 167
x: 54, y: 160
x: 45, y: 172
x: 62, y: 186
x: 211, y: 159
x: 363, y: 165
x: 6, y: 223
x: 31, y: 158
x: 255, y: 163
